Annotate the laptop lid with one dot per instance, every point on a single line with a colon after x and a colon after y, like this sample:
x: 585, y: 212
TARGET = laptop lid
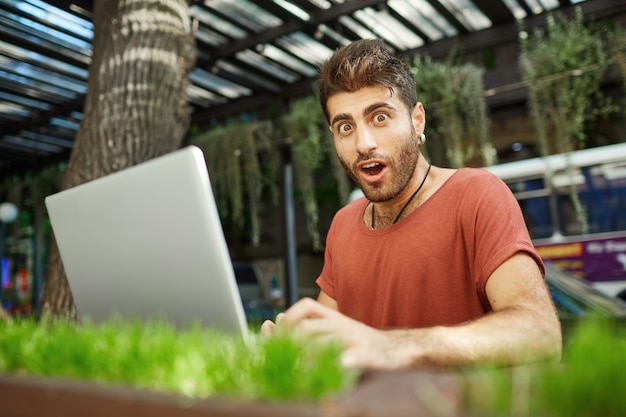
x: 147, y: 243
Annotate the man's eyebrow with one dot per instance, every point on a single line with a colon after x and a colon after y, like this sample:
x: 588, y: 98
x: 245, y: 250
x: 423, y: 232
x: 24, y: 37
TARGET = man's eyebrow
x: 369, y: 109
x: 339, y: 117
x: 373, y: 107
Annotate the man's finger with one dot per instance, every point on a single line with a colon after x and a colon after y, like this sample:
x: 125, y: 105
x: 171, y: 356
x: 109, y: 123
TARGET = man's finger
x: 279, y: 317
x: 305, y: 308
x: 267, y: 328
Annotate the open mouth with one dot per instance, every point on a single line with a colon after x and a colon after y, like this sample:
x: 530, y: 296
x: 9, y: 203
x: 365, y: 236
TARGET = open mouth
x: 373, y: 168
x: 372, y: 171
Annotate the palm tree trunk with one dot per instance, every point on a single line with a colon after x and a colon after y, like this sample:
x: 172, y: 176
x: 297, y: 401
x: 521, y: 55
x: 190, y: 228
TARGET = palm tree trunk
x: 136, y: 104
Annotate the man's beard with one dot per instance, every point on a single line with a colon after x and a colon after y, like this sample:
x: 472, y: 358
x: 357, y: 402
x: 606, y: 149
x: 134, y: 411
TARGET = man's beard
x: 403, y: 168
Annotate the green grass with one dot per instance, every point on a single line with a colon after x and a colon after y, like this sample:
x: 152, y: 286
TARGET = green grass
x: 590, y: 380
x: 195, y: 362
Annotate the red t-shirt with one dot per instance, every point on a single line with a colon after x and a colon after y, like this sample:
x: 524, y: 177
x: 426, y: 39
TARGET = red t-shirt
x: 431, y: 267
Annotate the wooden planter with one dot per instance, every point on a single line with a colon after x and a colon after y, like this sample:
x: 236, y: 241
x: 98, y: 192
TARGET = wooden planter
x: 398, y: 394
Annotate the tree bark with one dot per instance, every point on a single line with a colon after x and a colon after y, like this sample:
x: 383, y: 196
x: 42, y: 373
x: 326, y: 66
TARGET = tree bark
x: 136, y: 104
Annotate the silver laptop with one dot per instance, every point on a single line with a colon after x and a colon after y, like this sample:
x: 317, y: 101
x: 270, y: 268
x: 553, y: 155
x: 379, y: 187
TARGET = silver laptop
x: 147, y: 243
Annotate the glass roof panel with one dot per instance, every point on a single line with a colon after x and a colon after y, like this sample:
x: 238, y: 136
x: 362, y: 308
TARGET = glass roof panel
x: 45, y: 51
x: 467, y: 14
x: 76, y: 115
x: 54, y: 140
x: 64, y: 123
x: 247, y: 75
x: 56, y: 17
x: 41, y: 60
x: 389, y: 28
x: 54, y: 94
x: 265, y: 65
x: 515, y: 8
x: 38, y: 35
x: 32, y: 145
x: 278, y: 55
x: 294, y: 10
x: 27, y: 102
x: 34, y: 28
x: 355, y: 27
x: 55, y: 129
x: 210, y: 37
x: 218, y: 84
x: 13, y: 111
x: 203, y: 97
x: 246, y: 13
x: 424, y: 16
x: 541, y: 6
x: 327, y: 31
x: 217, y: 23
x: 305, y: 47
x: 27, y: 70
x: 322, y: 4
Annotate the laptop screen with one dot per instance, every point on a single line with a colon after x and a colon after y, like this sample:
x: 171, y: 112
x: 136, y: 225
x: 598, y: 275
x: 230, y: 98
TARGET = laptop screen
x: 147, y: 243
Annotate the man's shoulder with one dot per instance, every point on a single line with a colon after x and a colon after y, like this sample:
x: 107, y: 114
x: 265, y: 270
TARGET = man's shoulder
x: 476, y: 177
x: 476, y: 184
x: 476, y: 173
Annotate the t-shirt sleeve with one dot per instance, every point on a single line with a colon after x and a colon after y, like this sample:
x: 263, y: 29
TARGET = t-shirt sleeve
x: 498, y: 228
x: 325, y: 280
x: 344, y: 223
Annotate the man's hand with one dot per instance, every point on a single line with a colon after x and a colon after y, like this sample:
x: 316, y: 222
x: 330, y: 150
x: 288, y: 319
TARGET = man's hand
x: 364, y: 347
x: 523, y: 327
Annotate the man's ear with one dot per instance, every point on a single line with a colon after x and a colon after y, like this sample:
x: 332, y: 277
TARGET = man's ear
x: 418, y: 117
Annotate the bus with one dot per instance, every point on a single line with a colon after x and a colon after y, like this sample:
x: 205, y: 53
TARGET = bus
x: 574, y: 205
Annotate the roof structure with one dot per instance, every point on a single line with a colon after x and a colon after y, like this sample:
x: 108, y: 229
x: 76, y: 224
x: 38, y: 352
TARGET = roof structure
x: 249, y: 53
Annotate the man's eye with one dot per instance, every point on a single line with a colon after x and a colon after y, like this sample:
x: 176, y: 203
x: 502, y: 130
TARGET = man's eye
x: 380, y: 117
x: 344, y: 128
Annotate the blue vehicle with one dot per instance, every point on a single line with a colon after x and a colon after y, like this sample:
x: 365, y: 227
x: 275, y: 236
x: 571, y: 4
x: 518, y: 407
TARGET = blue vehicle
x: 574, y: 205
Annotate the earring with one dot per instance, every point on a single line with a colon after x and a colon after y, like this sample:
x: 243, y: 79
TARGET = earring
x: 422, y: 139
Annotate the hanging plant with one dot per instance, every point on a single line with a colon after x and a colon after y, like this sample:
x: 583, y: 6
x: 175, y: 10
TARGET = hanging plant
x: 563, y: 67
x: 244, y: 164
x: 232, y: 154
x: 304, y: 125
x: 339, y: 172
x: 617, y: 50
x: 456, y: 108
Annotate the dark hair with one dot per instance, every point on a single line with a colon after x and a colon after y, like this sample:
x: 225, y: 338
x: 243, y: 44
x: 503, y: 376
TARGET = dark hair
x: 365, y: 63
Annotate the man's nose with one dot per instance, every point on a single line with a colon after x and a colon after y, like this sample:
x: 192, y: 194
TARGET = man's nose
x: 365, y: 141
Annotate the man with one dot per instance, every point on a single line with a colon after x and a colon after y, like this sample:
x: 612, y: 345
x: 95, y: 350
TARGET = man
x: 434, y: 267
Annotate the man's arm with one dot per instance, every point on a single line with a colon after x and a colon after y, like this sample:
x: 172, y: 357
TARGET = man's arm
x: 523, y: 327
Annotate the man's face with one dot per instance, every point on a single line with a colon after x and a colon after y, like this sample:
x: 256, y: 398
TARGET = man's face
x: 376, y: 139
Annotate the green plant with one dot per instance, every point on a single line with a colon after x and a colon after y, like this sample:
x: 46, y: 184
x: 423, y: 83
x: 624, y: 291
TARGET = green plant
x: 311, y: 144
x: 617, y: 50
x: 456, y: 108
x: 194, y: 362
x: 244, y: 162
x: 563, y: 67
x: 239, y: 176
x: 589, y: 381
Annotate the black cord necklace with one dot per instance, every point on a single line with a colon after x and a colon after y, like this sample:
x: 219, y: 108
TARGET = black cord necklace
x: 408, y: 201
